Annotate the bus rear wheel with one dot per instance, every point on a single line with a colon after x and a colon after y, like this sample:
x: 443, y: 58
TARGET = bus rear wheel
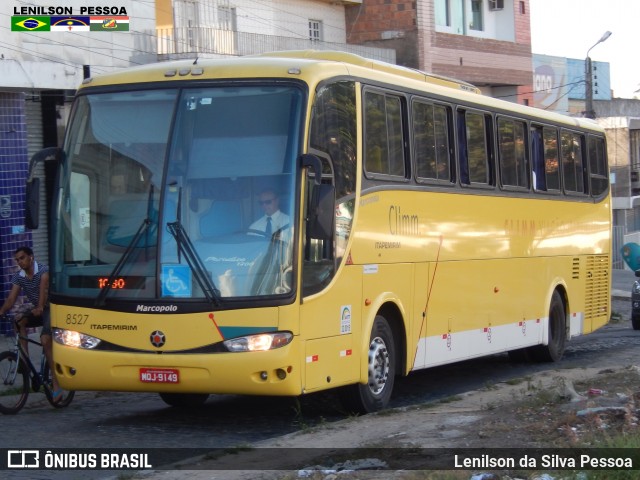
x: 376, y: 393
x: 553, y: 351
x: 184, y: 400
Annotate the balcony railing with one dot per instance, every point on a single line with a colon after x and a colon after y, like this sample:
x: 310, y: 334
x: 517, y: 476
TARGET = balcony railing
x: 175, y: 43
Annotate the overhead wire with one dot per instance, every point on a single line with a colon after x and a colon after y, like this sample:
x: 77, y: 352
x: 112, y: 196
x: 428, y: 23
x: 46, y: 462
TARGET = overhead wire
x: 208, y: 8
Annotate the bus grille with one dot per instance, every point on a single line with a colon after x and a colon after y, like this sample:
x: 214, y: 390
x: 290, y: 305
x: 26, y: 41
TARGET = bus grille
x: 597, y: 287
x: 575, y: 268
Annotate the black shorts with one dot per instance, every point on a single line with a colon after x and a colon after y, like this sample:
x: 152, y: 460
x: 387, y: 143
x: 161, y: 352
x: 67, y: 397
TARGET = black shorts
x: 43, y: 321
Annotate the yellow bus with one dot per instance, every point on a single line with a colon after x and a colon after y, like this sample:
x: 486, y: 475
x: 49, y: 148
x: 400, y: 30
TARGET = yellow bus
x: 293, y: 222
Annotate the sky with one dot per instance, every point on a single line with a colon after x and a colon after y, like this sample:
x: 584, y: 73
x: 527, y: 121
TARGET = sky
x: 569, y: 28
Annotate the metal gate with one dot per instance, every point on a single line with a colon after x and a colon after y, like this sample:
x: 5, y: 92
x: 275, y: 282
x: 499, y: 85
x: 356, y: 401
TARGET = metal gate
x: 40, y: 237
x: 616, y: 245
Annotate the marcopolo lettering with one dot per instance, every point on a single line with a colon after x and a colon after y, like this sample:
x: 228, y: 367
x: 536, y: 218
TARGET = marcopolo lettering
x: 156, y: 308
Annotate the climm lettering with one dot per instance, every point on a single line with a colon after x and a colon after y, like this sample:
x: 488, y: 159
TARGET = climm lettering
x: 42, y: 10
x: 402, y: 223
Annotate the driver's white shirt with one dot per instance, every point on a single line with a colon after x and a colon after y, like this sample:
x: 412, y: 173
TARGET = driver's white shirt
x: 278, y: 220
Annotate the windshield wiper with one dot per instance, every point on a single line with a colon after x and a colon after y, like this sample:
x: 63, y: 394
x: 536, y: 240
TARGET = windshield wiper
x: 144, y: 227
x: 195, y: 262
x: 123, y: 259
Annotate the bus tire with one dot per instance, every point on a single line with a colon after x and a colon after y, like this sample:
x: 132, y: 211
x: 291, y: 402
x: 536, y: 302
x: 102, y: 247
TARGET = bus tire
x: 553, y: 351
x: 376, y: 393
x: 184, y: 400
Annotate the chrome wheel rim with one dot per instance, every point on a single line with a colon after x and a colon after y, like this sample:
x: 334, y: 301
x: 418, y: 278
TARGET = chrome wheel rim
x: 379, y: 365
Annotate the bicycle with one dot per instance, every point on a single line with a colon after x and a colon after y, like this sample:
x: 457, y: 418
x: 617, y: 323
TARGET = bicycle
x: 18, y: 375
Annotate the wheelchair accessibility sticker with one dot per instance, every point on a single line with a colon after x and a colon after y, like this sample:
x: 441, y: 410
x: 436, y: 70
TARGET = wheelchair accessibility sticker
x: 176, y: 281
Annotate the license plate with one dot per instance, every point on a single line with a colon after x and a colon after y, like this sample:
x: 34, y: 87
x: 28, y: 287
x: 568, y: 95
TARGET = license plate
x: 159, y: 375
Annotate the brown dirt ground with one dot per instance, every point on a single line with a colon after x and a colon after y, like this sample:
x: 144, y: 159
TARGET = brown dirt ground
x: 543, y: 410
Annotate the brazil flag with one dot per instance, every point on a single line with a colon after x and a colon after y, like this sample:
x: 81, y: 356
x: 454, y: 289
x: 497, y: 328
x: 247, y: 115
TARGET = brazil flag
x: 30, y: 24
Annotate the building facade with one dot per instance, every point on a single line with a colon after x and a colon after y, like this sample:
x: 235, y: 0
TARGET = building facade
x: 220, y: 28
x: 484, y: 42
x: 621, y: 121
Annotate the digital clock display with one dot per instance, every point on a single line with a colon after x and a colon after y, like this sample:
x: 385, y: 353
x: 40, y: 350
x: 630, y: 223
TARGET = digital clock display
x: 100, y: 282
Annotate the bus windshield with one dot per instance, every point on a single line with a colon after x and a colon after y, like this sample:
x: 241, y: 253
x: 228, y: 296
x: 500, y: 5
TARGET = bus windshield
x: 180, y: 193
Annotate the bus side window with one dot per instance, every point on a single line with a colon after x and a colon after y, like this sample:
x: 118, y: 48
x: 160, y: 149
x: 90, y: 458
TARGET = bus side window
x: 573, y: 165
x: 537, y: 159
x: 551, y: 159
x: 431, y: 142
x: 597, y: 166
x: 513, y: 154
x: 474, y: 147
x: 384, y: 137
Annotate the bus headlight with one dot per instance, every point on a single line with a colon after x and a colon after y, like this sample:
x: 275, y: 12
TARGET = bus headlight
x: 70, y: 338
x: 636, y: 287
x: 259, y: 343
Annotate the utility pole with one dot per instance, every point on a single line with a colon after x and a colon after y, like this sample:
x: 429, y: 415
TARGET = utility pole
x: 588, y: 73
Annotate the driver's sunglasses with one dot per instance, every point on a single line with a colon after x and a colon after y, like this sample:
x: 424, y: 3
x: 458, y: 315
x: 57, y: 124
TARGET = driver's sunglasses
x: 266, y: 202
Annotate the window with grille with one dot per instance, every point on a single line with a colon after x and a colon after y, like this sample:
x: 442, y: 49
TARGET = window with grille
x: 315, y: 30
x: 477, y: 22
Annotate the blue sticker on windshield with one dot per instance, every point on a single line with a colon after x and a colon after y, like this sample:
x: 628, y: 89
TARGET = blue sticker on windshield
x: 176, y: 281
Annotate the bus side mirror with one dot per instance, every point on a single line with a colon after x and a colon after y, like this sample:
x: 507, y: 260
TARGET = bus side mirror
x: 321, y: 213
x: 311, y: 161
x: 32, y: 191
x: 32, y: 206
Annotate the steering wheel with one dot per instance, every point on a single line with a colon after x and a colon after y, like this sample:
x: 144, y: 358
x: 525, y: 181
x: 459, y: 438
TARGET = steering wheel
x: 258, y: 233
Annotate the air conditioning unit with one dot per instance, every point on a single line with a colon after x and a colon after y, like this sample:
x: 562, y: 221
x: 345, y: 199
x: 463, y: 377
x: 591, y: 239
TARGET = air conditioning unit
x: 496, y: 4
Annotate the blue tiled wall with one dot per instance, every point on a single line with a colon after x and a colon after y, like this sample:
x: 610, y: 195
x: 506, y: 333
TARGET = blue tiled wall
x: 14, y: 164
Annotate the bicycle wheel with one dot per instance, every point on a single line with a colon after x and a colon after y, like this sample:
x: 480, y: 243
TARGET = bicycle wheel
x: 14, y: 383
x: 67, y: 395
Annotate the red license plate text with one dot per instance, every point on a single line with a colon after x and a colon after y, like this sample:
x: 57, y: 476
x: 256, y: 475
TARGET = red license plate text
x: 159, y: 375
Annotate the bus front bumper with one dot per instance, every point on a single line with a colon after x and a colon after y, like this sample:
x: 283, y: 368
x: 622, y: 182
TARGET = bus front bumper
x: 272, y: 372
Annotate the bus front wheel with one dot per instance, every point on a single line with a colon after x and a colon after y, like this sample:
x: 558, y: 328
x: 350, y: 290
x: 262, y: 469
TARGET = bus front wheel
x: 553, y: 351
x: 376, y: 393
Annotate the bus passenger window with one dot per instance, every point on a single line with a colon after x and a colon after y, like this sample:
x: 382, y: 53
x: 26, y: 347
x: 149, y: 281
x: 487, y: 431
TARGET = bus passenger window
x: 384, y: 139
x: 477, y: 149
x: 551, y: 163
x: 514, y: 162
x: 597, y: 166
x: 431, y: 141
x: 572, y: 162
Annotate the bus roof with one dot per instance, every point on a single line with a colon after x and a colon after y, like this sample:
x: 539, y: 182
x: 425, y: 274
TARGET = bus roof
x: 317, y: 65
x: 377, y: 65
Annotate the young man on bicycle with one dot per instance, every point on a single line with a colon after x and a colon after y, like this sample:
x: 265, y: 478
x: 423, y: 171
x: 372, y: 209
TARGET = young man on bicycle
x: 33, y: 280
